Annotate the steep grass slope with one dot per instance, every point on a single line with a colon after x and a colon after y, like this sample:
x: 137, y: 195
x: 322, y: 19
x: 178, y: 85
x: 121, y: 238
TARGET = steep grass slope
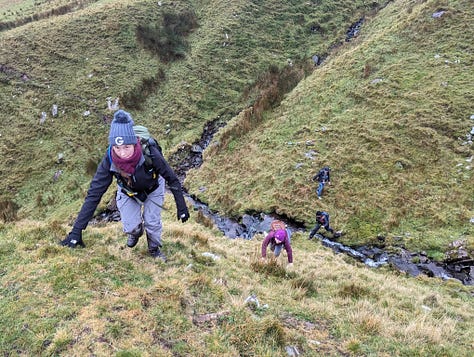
x: 109, y: 300
x: 214, y: 298
x: 80, y: 59
x: 390, y: 112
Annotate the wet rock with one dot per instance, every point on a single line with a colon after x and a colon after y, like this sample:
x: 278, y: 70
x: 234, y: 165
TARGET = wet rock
x: 402, y: 265
x: 196, y: 149
x: 316, y: 60
x: 433, y: 270
x: 292, y: 351
x: 354, y: 30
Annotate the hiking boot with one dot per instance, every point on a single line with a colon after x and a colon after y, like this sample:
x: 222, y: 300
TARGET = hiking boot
x: 132, y: 240
x: 156, y: 253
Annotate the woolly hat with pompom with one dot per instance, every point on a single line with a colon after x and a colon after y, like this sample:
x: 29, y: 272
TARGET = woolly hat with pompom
x: 121, y: 129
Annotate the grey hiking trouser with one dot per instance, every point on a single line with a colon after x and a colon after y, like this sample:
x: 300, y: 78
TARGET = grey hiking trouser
x: 135, y: 215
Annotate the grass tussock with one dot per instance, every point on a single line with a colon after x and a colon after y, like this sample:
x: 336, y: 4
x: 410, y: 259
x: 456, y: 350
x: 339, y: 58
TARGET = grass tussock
x: 8, y: 211
x: 168, y: 39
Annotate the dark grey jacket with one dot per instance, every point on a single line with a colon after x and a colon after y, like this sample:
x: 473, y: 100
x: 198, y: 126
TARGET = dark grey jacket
x: 142, y: 182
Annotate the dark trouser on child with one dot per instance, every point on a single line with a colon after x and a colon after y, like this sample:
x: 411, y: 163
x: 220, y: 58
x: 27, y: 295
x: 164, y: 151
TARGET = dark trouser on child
x: 319, y: 190
x: 326, y: 227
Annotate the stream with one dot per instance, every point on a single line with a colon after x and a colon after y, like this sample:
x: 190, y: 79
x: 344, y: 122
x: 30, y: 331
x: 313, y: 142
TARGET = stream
x: 246, y: 227
x: 411, y: 263
x: 459, y: 265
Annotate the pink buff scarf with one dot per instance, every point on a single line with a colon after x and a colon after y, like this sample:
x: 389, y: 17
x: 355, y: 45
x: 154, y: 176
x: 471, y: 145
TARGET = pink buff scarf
x: 127, y: 166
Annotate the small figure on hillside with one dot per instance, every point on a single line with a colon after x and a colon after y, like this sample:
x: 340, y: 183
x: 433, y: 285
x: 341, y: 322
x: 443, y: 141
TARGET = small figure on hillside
x: 278, y: 239
x: 323, y: 177
x: 322, y: 219
x: 140, y: 191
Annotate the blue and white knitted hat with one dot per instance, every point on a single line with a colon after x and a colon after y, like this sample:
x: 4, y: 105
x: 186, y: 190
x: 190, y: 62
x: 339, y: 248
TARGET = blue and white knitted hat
x: 121, y: 129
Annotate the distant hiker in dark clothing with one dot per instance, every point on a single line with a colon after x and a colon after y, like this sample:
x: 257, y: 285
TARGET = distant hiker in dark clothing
x: 322, y: 219
x: 323, y: 177
x: 278, y: 239
x: 141, y: 189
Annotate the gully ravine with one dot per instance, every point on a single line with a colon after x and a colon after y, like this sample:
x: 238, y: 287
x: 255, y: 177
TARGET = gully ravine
x: 459, y: 266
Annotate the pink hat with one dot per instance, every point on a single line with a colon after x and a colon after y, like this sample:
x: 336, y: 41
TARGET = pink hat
x: 280, y: 235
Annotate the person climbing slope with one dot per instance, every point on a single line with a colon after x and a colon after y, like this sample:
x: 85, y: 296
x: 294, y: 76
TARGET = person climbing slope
x: 141, y: 190
x: 278, y: 239
x: 322, y: 220
x: 323, y: 177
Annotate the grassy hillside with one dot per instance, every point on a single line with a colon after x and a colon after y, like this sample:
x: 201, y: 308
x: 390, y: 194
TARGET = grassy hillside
x: 108, y: 300
x: 78, y: 60
x: 389, y: 112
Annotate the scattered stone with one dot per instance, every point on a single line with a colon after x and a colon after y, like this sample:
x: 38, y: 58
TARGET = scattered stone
x: 438, y: 14
x: 310, y: 154
x: 210, y: 255
x: 426, y: 308
x: 292, y: 351
x: 252, y: 300
x: 202, y: 318
x: 56, y: 175
x: 113, y: 107
x: 43, y: 118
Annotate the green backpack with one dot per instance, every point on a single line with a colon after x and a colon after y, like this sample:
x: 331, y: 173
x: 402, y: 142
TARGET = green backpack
x: 146, y: 140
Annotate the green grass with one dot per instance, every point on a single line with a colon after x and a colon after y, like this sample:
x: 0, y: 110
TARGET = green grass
x: 394, y: 146
x: 108, y: 299
x: 388, y: 111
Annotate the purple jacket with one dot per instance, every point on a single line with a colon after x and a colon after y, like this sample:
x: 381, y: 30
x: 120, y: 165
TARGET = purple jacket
x: 271, y: 238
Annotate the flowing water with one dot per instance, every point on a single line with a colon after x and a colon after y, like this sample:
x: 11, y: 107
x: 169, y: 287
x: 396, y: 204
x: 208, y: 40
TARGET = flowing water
x: 414, y: 264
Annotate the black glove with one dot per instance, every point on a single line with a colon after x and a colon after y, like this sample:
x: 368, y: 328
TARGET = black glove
x: 183, y: 214
x: 73, y: 239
